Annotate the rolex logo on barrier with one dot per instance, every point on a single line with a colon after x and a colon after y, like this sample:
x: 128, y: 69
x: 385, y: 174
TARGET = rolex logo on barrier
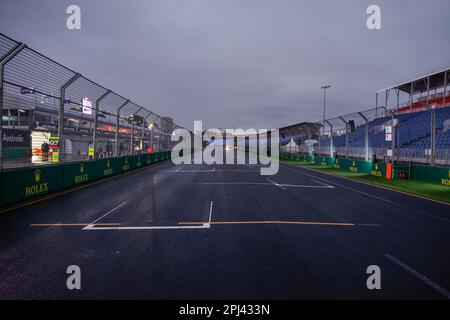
x: 38, y: 187
x: 354, y: 168
x: 37, y: 175
x: 126, y: 166
x: 375, y: 171
x: 446, y: 182
x: 83, y: 177
x: 336, y: 165
x: 139, y: 163
x: 108, y: 171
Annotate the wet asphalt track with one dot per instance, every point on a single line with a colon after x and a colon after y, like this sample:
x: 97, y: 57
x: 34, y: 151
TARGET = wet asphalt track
x: 226, y: 232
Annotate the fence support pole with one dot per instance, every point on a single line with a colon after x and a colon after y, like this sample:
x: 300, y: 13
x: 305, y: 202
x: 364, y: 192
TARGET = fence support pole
x: 366, y: 136
x: 116, y: 151
x: 62, y: 102
x: 346, y: 136
x: 445, y: 88
x: 397, y: 135
x: 97, y: 108
x: 331, y: 137
x: 132, y: 132
x: 11, y: 54
x: 143, y: 129
x: 376, y: 105
x: 432, y: 124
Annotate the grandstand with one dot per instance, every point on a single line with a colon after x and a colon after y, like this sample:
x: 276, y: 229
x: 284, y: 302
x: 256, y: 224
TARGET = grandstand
x: 417, y: 130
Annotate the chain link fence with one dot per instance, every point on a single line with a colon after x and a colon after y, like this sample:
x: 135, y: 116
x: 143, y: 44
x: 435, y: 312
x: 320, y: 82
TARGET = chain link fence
x: 52, y: 114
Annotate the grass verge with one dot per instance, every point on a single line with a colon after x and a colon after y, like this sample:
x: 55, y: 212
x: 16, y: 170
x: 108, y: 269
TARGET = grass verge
x: 425, y: 189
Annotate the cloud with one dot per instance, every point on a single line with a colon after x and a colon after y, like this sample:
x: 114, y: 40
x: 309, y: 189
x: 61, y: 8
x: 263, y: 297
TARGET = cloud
x: 239, y: 62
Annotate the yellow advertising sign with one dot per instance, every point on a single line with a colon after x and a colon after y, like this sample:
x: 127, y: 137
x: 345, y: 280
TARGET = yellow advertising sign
x: 91, y: 152
x: 55, y: 156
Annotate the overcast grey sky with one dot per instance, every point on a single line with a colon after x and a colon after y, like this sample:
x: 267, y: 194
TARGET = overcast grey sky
x: 249, y: 63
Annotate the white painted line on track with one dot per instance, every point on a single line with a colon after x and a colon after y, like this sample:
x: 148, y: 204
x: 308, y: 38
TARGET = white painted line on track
x: 420, y: 276
x: 238, y: 170
x: 322, y: 183
x: 276, y: 184
x: 306, y: 186
x: 206, y: 225
x: 270, y: 183
x: 90, y: 225
x: 210, y: 214
x: 364, y: 193
x: 195, y: 171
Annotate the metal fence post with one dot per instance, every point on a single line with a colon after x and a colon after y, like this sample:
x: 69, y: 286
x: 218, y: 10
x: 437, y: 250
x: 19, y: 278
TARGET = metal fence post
x: 331, y: 137
x: 366, y: 136
x: 11, y: 54
x: 94, y: 136
x: 132, y: 131
x: 143, y: 129
x: 152, y: 130
x: 393, y: 137
x: 444, y: 98
x: 432, y: 125
x: 132, y: 137
x: 150, y: 127
x: 116, y: 151
x: 346, y: 136
x: 62, y: 101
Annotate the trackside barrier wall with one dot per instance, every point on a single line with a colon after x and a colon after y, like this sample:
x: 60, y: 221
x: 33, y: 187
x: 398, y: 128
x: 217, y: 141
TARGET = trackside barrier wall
x: 433, y: 174
x: 305, y: 158
x: 22, y: 184
x: 439, y: 175
x: 324, y: 161
x: 357, y: 166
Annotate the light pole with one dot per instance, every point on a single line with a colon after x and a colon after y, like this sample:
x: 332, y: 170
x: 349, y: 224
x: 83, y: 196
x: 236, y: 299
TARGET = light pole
x: 324, y: 106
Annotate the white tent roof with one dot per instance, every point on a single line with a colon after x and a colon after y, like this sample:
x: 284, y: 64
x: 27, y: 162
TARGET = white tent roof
x: 292, y: 143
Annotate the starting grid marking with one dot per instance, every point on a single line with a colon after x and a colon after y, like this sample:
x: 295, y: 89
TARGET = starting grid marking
x: 95, y: 225
x: 199, y: 225
x: 270, y: 183
x: 193, y: 224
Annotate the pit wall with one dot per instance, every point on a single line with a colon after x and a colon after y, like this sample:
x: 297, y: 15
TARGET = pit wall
x: 26, y: 183
x: 433, y: 174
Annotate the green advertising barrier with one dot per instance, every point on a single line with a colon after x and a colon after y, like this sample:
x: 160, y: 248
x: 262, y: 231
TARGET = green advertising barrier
x: 22, y: 184
x: 440, y: 175
x: 434, y: 174
x: 82, y: 172
x: 357, y: 166
x: 378, y: 170
x: 324, y: 161
x: 147, y: 159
